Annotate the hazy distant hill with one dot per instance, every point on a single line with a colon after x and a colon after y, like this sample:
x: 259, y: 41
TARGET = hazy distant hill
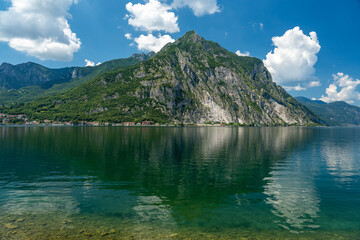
x: 28, y: 81
x: 27, y: 74
x: 191, y: 81
x: 333, y: 114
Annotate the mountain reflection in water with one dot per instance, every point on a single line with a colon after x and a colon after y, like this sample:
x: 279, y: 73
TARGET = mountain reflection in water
x: 213, y: 178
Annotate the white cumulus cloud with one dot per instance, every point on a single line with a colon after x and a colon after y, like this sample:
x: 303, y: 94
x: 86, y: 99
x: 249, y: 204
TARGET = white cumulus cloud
x: 295, y: 88
x: 152, y: 16
x: 246, y: 54
x: 314, y: 84
x: 294, y: 56
x: 344, y: 88
x: 91, y: 63
x: 40, y: 28
x: 158, y: 16
x: 199, y: 7
x: 151, y: 43
x: 305, y: 86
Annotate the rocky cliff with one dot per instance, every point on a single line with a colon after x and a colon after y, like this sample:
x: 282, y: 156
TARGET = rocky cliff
x: 191, y: 81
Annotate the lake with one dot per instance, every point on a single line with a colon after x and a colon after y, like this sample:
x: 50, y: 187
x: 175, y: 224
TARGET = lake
x: 179, y: 183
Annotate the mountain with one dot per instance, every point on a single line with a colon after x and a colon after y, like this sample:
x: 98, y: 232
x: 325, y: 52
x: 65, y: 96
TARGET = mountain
x: 333, y: 114
x: 27, y: 74
x: 190, y: 81
x: 28, y: 81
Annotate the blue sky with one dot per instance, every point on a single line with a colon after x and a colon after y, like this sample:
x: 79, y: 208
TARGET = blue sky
x: 330, y: 70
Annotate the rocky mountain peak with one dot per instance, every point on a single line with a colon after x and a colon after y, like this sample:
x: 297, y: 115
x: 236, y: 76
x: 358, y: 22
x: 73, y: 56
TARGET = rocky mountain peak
x: 191, y: 37
x: 193, y: 46
x: 190, y: 81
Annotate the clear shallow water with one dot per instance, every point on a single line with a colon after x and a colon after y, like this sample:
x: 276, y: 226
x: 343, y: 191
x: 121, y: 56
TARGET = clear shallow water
x: 179, y: 183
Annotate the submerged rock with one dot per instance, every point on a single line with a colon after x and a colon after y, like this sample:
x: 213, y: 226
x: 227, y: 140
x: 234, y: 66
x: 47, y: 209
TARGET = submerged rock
x: 11, y: 226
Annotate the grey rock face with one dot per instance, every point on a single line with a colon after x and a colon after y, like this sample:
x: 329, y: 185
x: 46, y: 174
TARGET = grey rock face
x: 190, y: 81
x: 195, y: 81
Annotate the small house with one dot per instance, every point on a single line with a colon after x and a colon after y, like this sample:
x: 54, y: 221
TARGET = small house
x: 146, y: 123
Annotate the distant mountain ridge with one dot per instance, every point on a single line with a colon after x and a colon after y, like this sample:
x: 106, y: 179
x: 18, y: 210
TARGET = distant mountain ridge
x: 333, y: 114
x: 27, y: 74
x: 28, y: 81
x: 190, y: 81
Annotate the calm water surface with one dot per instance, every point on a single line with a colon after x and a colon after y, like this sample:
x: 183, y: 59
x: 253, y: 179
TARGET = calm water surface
x: 179, y: 183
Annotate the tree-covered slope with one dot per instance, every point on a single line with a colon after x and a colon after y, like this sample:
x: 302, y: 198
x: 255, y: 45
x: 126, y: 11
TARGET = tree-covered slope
x: 25, y: 82
x: 190, y: 81
x: 333, y: 114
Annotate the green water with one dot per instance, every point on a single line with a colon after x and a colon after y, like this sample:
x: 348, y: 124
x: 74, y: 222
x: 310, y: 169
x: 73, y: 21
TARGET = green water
x: 179, y: 183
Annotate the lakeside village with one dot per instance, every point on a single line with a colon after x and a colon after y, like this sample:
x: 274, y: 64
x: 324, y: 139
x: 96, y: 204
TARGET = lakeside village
x: 21, y: 119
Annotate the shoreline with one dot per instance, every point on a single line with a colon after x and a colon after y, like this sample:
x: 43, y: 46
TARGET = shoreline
x: 29, y: 226
x: 165, y: 126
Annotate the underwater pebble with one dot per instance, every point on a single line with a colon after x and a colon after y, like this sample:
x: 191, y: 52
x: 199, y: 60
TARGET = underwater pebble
x: 11, y: 226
